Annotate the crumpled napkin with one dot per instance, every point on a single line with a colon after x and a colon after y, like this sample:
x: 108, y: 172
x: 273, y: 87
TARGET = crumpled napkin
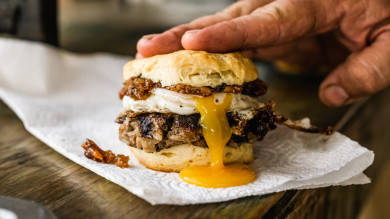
x: 63, y: 98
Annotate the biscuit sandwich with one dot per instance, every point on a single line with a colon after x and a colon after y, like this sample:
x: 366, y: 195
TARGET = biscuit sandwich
x: 161, y: 122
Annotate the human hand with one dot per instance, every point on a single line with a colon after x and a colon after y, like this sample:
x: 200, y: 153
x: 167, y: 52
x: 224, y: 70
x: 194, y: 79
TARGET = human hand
x: 352, y: 36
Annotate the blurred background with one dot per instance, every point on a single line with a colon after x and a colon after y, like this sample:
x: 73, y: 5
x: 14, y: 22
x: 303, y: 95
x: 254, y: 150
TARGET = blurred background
x: 116, y: 25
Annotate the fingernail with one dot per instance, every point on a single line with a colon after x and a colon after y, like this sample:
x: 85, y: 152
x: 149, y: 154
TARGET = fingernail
x: 335, y: 95
x: 149, y: 37
x: 190, y: 32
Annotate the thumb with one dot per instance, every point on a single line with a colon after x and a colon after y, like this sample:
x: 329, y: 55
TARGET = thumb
x: 363, y: 73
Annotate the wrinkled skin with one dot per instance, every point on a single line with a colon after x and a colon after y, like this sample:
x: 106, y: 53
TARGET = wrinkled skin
x: 350, y: 36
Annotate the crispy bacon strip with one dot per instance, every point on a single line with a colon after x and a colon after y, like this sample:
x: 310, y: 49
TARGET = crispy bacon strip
x: 94, y: 152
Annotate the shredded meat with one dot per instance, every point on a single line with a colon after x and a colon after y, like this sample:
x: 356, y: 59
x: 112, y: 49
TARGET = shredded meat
x: 138, y: 88
x: 94, y: 152
x: 141, y: 88
x: 254, y: 129
x: 255, y: 88
x: 229, y: 89
x: 155, y: 131
x: 188, y: 89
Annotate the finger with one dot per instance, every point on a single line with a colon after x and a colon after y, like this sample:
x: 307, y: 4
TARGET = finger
x: 362, y: 74
x: 275, y: 23
x: 139, y: 56
x: 154, y: 44
x: 170, y: 40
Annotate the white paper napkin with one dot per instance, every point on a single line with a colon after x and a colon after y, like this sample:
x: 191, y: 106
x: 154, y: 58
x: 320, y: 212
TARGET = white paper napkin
x: 63, y: 98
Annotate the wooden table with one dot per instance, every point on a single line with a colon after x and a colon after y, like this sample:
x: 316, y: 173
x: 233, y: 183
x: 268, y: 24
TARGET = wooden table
x: 31, y: 170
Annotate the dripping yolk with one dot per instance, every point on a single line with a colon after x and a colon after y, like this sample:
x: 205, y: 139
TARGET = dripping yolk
x: 217, y: 132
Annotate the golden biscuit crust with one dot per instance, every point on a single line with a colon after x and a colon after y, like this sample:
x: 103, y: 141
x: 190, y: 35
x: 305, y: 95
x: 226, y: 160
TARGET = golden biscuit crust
x: 176, y: 158
x: 195, y: 68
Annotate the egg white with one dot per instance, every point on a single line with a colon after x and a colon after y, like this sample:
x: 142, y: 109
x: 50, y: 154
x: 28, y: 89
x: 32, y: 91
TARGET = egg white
x: 166, y: 101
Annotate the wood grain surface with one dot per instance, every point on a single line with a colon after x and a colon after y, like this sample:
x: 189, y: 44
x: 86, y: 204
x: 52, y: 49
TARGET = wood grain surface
x: 369, y: 125
x: 31, y: 170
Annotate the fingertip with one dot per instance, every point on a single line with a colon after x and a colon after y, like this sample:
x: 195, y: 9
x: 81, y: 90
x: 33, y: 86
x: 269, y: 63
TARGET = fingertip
x: 191, y: 41
x: 139, y: 56
x: 211, y: 39
x: 190, y: 34
x: 149, y: 37
x: 167, y: 42
x: 145, y: 45
x: 334, y: 96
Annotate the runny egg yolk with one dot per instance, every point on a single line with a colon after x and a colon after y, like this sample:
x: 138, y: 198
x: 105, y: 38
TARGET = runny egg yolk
x: 217, y: 132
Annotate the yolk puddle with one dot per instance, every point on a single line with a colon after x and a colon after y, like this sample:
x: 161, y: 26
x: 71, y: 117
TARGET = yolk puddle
x: 217, y: 132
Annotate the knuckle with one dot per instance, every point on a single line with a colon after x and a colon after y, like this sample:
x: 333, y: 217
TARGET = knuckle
x: 274, y: 12
x: 272, y: 15
x: 179, y: 28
